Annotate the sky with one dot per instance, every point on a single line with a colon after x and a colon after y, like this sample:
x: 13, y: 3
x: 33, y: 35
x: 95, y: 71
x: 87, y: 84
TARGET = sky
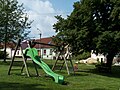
x: 42, y: 13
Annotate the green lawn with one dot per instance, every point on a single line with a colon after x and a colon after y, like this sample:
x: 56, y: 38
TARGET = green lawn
x: 87, y: 78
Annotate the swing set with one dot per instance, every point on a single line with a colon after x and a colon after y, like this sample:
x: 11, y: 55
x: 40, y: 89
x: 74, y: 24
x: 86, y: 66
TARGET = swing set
x: 33, y: 54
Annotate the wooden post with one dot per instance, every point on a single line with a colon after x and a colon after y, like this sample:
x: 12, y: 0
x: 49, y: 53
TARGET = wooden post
x: 11, y: 64
x: 64, y: 62
x: 66, y: 65
x: 24, y: 61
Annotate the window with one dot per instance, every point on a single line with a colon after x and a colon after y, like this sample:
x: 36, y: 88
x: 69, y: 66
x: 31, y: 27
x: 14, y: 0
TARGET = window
x: 50, y: 51
x: 17, y: 52
x: 44, y: 52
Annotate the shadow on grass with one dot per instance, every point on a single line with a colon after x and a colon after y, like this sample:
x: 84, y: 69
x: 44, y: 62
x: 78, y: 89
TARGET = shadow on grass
x: 78, y: 74
x: 19, y: 63
x: 115, y: 72
x: 97, y: 89
x: 19, y: 86
x: 4, y: 63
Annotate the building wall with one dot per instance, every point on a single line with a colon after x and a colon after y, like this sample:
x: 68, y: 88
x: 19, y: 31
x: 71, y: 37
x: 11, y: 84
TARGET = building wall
x: 47, y: 53
x: 100, y: 57
x: 18, y: 53
x: 9, y: 51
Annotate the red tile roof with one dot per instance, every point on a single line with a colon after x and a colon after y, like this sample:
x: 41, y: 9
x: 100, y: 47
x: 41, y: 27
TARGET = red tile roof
x: 9, y: 44
x: 24, y: 45
x: 45, y: 41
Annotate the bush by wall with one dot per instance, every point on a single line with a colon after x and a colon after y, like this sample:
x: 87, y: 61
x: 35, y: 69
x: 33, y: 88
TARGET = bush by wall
x: 2, y: 54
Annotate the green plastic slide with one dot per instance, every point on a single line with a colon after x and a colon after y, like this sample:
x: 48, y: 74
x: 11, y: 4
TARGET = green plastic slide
x: 33, y: 54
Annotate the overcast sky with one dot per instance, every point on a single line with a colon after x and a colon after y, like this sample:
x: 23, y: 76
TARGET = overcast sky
x: 43, y: 12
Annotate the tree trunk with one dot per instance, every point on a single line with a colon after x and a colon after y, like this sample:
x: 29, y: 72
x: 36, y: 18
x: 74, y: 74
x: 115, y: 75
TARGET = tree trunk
x: 6, y: 27
x: 5, y: 50
x: 109, y: 57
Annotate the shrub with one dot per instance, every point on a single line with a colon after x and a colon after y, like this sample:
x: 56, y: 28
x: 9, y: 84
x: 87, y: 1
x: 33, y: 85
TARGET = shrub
x: 83, y: 55
x: 2, y: 54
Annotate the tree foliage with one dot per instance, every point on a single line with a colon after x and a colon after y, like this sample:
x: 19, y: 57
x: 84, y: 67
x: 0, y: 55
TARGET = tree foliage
x: 13, y: 20
x: 93, y: 25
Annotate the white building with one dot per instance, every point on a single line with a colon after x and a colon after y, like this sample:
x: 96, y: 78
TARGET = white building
x: 44, y: 51
x: 98, y: 56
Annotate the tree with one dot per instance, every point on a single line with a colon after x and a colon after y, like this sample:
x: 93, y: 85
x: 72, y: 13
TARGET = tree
x: 93, y: 25
x: 13, y: 22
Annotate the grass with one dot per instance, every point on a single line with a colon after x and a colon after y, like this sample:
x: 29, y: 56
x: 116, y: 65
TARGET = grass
x: 86, y: 78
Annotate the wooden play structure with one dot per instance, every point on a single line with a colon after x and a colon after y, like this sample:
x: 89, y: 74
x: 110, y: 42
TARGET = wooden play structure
x: 63, y: 52
x: 24, y: 59
x: 64, y: 55
x: 33, y: 54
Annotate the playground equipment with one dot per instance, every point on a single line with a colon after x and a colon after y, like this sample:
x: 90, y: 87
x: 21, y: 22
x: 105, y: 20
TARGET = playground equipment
x: 64, y: 54
x: 24, y: 59
x: 33, y: 54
